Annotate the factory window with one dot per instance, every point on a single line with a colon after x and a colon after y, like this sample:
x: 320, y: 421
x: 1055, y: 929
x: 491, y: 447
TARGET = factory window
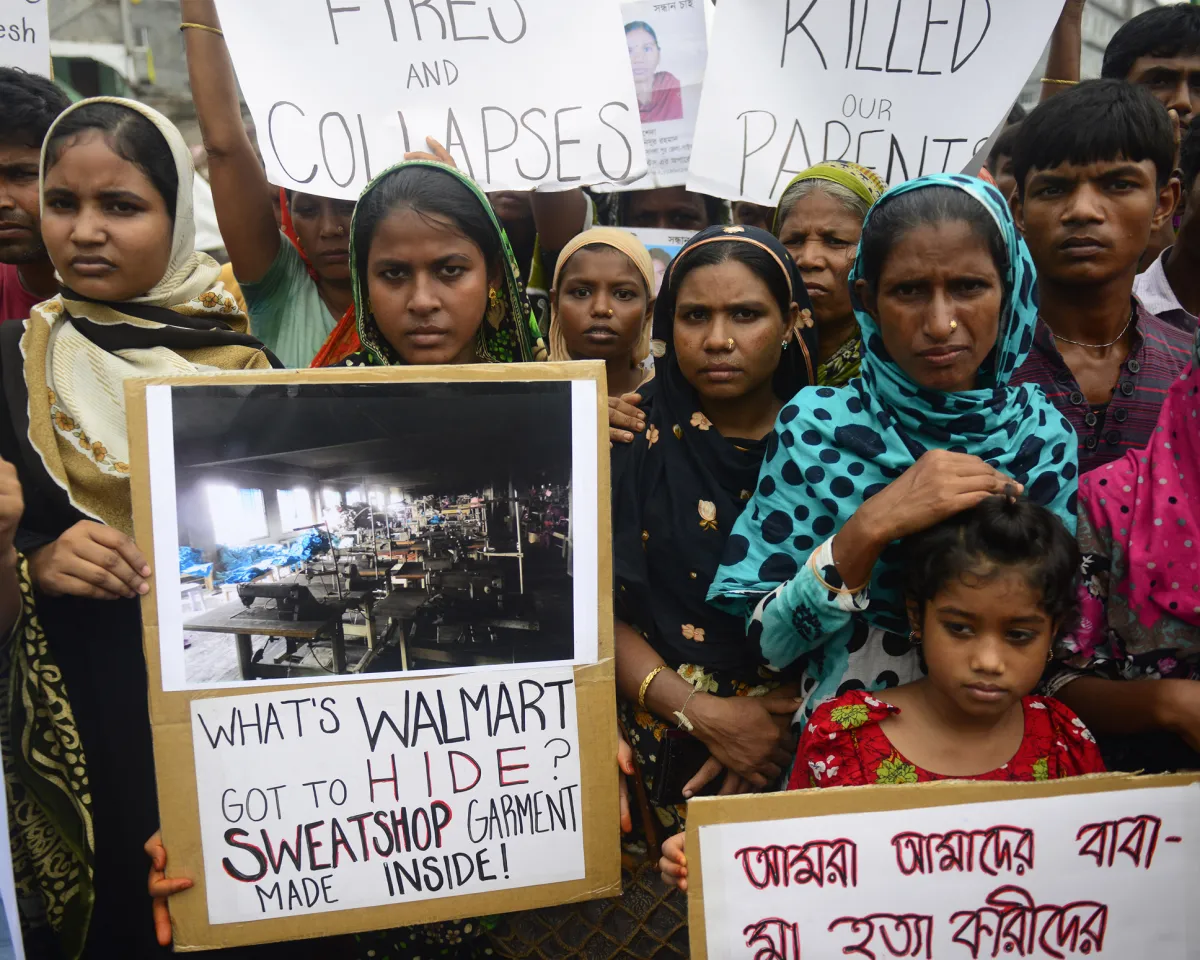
x: 295, y: 508
x: 238, y: 515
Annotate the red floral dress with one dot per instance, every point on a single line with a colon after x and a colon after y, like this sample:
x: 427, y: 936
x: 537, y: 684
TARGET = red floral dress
x: 844, y: 746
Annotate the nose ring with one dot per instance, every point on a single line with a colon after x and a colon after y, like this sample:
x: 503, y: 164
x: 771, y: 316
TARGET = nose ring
x: 610, y: 313
x: 953, y: 324
x: 731, y: 344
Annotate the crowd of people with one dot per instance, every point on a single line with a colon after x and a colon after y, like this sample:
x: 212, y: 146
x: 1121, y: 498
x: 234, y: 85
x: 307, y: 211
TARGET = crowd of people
x: 904, y: 480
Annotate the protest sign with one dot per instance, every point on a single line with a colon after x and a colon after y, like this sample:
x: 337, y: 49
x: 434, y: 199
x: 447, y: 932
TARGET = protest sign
x: 668, y: 49
x: 455, y: 756
x: 902, y: 87
x: 387, y: 793
x: 1101, y: 866
x: 25, y: 35
x: 339, y: 92
x: 663, y: 246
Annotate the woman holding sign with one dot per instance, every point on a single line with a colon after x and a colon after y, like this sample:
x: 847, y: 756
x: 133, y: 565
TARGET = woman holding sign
x: 943, y: 289
x: 730, y: 348
x: 820, y: 220
x: 137, y: 301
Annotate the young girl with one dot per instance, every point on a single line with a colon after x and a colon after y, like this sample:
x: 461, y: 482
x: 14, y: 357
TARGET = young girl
x: 602, y: 305
x: 987, y: 592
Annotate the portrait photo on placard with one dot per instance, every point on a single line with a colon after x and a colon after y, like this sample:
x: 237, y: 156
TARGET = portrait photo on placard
x: 668, y: 53
x: 326, y: 531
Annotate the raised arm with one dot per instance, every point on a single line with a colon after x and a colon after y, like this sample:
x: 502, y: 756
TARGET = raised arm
x: 239, y: 185
x: 1066, y: 50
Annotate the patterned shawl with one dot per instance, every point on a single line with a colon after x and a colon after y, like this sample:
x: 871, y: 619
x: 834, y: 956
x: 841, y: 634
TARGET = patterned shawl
x: 508, y: 332
x: 77, y: 353
x: 834, y: 448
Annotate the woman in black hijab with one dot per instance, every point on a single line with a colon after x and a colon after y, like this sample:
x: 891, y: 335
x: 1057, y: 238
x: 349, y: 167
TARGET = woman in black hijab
x: 733, y: 342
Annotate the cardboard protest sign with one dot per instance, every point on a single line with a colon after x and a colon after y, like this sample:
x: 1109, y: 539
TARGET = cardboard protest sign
x: 339, y: 92
x: 455, y: 756
x: 668, y: 50
x: 387, y: 793
x: 25, y: 35
x: 1086, y: 867
x: 901, y: 87
x: 663, y: 246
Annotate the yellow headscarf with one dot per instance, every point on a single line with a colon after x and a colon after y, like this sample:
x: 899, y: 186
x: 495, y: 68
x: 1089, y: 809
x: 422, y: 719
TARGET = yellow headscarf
x: 860, y: 181
x: 636, y: 251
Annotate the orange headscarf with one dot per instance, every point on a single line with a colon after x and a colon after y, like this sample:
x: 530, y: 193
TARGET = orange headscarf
x: 343, y: 341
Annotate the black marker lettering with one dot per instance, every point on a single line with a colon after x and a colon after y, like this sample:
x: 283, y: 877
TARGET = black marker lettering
x: 488, y: 150
x: 450, y: 5
x: 332, y: 23
x: 599, y: 149
x: 955, y: 63
x: 453, y: 131
x: 858, y: 151
x: 415, y: 5
x: 892, y: 41
x: 559, y: 143
x: 921, y: 71
x: 325, y: 155
x: 846, y: 130
x: 496, y: 27
x: 271, y: 136
x: 862, y: 39
x: 789, y: 28
x: 747, y: 153
x: 796, y: 128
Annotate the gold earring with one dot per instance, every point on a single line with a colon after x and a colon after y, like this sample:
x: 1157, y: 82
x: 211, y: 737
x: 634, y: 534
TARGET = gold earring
x: 495, y: 311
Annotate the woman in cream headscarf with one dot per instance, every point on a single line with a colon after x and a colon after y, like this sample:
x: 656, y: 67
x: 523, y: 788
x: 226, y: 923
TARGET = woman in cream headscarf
x: 820, y: 220
x: 136, y: 300
x: 602, y: 305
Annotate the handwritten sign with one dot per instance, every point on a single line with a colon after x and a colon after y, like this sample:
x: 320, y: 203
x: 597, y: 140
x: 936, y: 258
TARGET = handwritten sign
x: 25, y: 35
x: 1054, y: 877
x: 668, y: 49
x: 905, y: 88
x: 340, y: 91
x: 314, y: 801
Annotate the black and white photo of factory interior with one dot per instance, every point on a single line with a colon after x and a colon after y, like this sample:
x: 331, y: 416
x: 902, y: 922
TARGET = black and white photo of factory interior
x: 333, y: 529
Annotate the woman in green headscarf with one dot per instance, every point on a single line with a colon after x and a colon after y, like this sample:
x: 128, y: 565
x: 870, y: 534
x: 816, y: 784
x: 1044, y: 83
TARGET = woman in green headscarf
x: 434, y: 277
x: 820, y: 220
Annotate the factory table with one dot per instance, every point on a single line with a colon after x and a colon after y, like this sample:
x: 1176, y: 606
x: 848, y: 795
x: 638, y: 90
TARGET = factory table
x: 246, y: 622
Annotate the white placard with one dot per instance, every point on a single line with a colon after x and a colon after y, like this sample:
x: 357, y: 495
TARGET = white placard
x: 25, y: 35
x: 905, y: 87
x: 522, y: 92
x: 668, y: 50
x: 386, y: 793
x: 1100, y: 874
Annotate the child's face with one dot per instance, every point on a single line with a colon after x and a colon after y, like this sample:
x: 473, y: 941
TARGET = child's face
x: 986, y: 640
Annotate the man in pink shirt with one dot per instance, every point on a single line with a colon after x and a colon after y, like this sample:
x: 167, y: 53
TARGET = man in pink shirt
x: 28, y: 105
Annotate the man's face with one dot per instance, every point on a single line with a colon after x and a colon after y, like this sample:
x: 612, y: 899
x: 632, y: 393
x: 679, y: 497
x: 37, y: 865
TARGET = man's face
x: 1174, y: 82
x: 1090, y: 223
x: 20, y: 220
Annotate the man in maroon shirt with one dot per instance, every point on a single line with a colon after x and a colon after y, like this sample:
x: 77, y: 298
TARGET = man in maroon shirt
x: 1093, y: 168
x: 28, y: 105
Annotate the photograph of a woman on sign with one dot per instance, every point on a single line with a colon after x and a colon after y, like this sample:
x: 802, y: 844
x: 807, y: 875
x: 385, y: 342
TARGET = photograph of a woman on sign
x: 658, y: 91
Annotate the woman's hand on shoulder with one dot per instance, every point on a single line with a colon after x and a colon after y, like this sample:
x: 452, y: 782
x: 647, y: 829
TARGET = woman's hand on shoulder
x: 90, y: 560
x: 939, y: 485
x: 12, y: 506
x: 625, y: 768
x: 161, y: 888
x: 624, y: 418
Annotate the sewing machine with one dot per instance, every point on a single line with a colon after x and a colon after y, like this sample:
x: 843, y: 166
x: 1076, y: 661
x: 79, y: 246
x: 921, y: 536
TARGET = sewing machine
x: 292, y: 601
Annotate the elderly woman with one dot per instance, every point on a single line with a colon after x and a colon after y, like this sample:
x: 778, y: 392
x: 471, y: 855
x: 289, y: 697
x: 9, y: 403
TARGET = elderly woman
x: 820, y: 220
x: 943, y: 291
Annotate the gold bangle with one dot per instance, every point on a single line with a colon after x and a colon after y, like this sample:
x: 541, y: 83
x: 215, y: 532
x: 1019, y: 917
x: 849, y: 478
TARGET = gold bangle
x: 646, y: 684
x: 202, y: 26
x: 1061, y: 83
x: 840, y: 591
